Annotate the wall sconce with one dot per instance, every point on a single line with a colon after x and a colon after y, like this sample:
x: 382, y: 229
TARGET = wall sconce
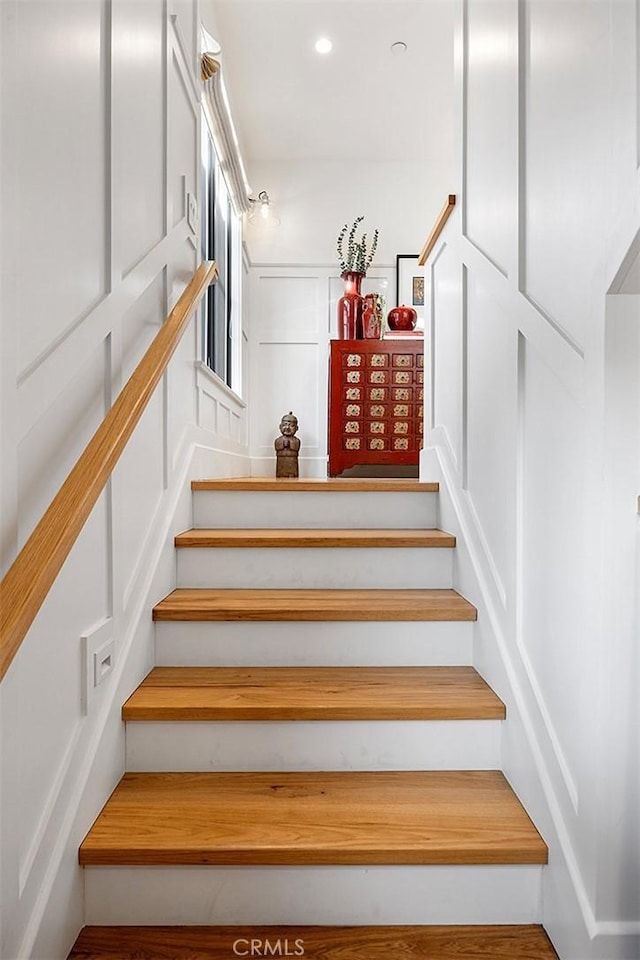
x: 262, y: 210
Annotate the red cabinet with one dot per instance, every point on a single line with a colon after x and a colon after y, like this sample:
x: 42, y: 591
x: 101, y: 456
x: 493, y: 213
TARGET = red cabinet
x: 376, y: 401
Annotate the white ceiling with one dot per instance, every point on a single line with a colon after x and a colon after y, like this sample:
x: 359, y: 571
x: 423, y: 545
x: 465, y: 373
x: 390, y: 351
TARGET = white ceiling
x: 360, y: 102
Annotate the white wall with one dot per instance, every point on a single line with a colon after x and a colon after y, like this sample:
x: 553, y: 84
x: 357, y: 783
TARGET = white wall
x: 315, y: 198
x: 533, y: 410
x: 99, y: 149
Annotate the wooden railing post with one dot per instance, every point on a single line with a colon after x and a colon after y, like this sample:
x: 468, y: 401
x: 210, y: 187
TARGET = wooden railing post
x: 438, y: 227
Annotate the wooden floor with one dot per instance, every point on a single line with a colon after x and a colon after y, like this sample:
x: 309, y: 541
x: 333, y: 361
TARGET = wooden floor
x: 334, y: 485
x: 392, y: 605
x: 415, y: 817
x: 313, y: 693
x: 318, y: 943
x: 314, y: 538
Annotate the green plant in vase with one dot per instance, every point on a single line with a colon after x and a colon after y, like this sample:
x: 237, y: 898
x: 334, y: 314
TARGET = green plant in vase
x: 356, y: 258
x: 354, y: 262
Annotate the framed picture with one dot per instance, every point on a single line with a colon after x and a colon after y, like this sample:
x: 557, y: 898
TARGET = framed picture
x: 410, y: 285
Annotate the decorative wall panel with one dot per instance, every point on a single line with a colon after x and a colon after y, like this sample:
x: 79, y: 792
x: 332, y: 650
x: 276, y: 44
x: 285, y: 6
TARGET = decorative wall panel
x: 491, y: 420
x: 552, y: 564
x: 447, y: 350
x: 59, y: 163
x: 566, y: 116
x: 139, y: 135
x: 490, y: 129
x: 183, y: 126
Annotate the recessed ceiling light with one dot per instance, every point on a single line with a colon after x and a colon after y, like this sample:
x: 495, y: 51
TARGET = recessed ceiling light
x: 399, y: 47
x: 323, y: 45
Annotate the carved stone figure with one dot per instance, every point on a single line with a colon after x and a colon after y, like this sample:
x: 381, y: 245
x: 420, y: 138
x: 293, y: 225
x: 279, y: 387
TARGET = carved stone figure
x: 287, y: 447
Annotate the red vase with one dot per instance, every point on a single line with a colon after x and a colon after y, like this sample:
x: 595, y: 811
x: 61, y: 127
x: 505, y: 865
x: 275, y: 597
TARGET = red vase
x: 371, y: 321
x: 350, y: 308
x: 402, y: 318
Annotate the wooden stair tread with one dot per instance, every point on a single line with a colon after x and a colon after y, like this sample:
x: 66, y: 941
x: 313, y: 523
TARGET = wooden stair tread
x: 331, y: 605
x: 296, y: 537
x: 331, y: 484
x: 509, y: 942
x: 416, y: 817
x: 313, y: 693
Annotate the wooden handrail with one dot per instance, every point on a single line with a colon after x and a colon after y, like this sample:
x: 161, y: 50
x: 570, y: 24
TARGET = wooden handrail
x: 438, y: 227
x: 28, y: 581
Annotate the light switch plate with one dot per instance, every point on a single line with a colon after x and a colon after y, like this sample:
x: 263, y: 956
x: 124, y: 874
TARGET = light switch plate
x: 98, y: 659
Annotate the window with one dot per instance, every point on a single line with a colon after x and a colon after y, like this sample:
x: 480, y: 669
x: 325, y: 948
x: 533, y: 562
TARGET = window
x: 221, y: 240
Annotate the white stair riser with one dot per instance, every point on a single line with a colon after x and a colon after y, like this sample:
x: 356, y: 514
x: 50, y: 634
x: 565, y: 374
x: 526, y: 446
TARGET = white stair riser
x: 212, y: 508
x: 313, y: 745
x: 312, y: 895
x: 327, y: 643
x: 324, y: 568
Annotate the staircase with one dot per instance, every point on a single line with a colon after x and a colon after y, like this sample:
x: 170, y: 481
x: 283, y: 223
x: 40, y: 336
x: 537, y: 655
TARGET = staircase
x: 313, y: 749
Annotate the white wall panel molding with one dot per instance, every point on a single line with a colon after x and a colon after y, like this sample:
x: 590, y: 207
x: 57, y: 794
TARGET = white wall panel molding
x: 70, y: 200
x: 230, y: 430
x: 563, y: 210
x: 477, y: 583
x: 430, y: 395
x: 554, y: 324
x: 523, y: 575
x: 488, y: 353
x: 290, y: 318
x: 552, y: 651
x: 209, y: 381
x: 40, y: 386
x: 498, y: 583
x: 138, y: 139
x: 489, y: 117
x: 181, y: 129
x: 103, y: 202
x: 55, y: 344
x: 558, y: 353
x: 185, y: 62
x: 35, y: 846
x: 464, y: 361
x: 292, y: 369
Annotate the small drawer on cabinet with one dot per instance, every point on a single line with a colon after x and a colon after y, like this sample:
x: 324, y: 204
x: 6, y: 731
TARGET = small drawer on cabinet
x: 402, y: 444
x: 351, y: 443
x: 377, y: 393
x: 377, y: 427
x: 401, y: 428
x: 353, y: 360
x: 352, y: 410
x: 378, y: 376
x: 378, y: 360
x: 375, y: 410
x: 352, y: 393
x: 377, y: 444
x: 403, y: 360
x: 402, y: 393
x: 351, y: 426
